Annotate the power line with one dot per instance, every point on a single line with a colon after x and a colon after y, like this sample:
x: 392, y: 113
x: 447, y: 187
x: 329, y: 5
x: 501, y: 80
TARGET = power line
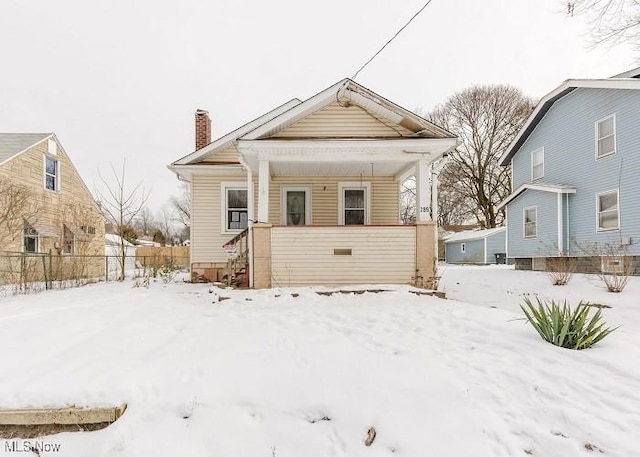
x: 392, y: 38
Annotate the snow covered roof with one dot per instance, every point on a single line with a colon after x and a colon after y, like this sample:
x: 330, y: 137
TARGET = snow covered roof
x: 473, y: 234
x: 556, y: 188
x: 111, y: 239
x: 12, y: 144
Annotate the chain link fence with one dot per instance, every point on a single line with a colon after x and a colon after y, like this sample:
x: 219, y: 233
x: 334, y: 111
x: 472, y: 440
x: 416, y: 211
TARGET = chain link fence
x: 34, y: 272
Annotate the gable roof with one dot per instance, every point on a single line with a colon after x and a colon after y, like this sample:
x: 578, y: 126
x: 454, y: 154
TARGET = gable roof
x: 633, y: 73
x: 349, y: 92
x: 345, y: 91
x: 12, y: 144
x: 226, y: 140
x: 627, y: 80
x: 469, y: 235
x: 555, y: 188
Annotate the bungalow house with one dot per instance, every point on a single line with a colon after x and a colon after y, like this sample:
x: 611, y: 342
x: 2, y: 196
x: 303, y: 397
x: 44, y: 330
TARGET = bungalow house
x: 45, y: 207
x: 309, y: 192
x: 575, y: 164
x: 478, y: 247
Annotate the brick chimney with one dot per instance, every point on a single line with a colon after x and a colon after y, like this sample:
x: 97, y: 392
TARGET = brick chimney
x: 203, y: 128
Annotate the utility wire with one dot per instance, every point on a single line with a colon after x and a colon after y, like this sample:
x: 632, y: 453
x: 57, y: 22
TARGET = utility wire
x: 392, y: 38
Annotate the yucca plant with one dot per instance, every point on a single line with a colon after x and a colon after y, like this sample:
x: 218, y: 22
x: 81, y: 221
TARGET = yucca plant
x: 560, y: 325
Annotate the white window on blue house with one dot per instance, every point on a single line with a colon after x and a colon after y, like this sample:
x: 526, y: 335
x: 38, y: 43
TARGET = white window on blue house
x: 51, y: 174
x: 608, y: 211
x: 606, y: 136
x: 537, y: 164
x: 530, y: 218
x: 463, y: 247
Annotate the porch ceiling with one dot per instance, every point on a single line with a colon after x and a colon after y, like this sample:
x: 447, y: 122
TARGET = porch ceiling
x: 388, y: 156
x: 337, y: 169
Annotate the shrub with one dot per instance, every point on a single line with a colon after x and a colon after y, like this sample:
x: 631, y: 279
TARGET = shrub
x: 561, y: 269
x: 560, y: 325
x: 612, y: 264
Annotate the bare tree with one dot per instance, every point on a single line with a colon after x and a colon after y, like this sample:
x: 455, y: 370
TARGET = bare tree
x: 17, y: 204
x: 121, y: 205
x: 145, y: 224
x: 611, y: 21
x: 408, y: 201
x: 486, y: 118
x: 181, y: 206
x: 453, y: 208
x: 166, y: 224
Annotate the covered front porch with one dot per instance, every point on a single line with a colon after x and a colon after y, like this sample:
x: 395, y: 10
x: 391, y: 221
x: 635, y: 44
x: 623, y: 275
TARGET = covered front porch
x: 328, y: 212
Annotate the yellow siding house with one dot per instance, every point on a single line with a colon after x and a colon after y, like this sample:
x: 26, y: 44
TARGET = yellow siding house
x: 45, y: 207
x: 309, y: 192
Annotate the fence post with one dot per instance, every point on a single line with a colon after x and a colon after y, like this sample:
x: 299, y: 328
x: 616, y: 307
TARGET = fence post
x: 50, y: 271
x: 22, y: 266
x: 44, y: 272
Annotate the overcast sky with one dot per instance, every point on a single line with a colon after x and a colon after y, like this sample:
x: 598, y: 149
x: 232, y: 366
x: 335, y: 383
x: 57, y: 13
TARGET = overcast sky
x: 124, y: 77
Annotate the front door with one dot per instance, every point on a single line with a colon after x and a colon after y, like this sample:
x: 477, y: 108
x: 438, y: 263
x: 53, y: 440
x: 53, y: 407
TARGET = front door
x: 296, y: 205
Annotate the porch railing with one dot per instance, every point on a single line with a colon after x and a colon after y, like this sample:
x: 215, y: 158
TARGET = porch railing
x: 237, y: 249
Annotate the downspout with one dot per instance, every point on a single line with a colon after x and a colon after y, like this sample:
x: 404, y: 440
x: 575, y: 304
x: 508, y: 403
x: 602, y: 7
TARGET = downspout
x: 250, y: 217
x: 560, y: 225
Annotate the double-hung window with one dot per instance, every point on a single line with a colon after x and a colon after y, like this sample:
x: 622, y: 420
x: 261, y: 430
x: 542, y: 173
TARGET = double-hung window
x: 537, y: 164
x: 354, y: 203
x: 235, y: 209
x: 606, y: 136
x: 30, y: 238
x: 51, y: 173
x: 608, y: 210
x: 530, y: 219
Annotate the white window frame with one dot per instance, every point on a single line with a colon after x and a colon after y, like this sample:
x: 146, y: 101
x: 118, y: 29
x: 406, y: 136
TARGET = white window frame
x: 307, y: 202
x: 224, y: 186
x: 533, y: 154
x: 524, y: 222
x: 615, y: 136
x: 598, y: 228
x: 354, y: 185
x: 57, y: 179
x: 463, y: 247
x: 36, y: 236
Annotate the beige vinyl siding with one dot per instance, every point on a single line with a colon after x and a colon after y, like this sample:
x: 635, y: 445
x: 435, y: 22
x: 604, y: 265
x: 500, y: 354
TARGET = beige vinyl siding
x: 206, y: 236
x: 305, y: 256
x: 324, y: 198
x: 335, y: 121
x: 71, y: 204
x: 228, y: 155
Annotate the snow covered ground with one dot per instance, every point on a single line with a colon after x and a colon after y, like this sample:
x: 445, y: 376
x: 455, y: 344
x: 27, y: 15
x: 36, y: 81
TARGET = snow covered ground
x: 288, y: 372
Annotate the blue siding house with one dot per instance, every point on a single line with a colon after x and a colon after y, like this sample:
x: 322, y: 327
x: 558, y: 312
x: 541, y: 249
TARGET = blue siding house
x: 575, y: 166
x: 475, y: 246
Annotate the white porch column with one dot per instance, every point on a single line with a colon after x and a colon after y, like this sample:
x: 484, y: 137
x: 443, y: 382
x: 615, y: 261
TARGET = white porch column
x: 263, y: 191
x: 250, y: 219
x: 434, y: 196
x: 250, y: 200
x: 423, y: 191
